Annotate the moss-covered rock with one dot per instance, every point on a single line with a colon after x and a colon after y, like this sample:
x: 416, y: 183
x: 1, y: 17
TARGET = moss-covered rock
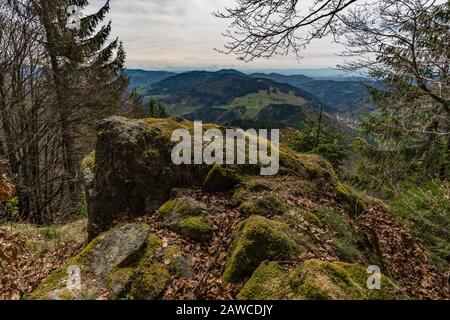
x: 151, y: 275
x: 124, y: 261
x: 111, y: 250
x: 258, y: 239
x: 222, y: 178
x: 177, y: 263
x: 268, y: 282
x: 188, y: 217
x: 156, y: 268
x: 263, y: 206
x: 134, y: 169
x: 318, y: 280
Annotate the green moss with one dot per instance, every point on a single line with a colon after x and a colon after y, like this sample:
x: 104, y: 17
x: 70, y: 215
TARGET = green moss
x: 196, y: 227
x: 222, y: 178
x: 151, y: 276
x: 263, y: 206
x: 171, y: 253
x: 188, y: 217
x: 118, y: 280
x: 318, y: 280
x: 166, y: 209
x: 311, y: 217
x: 258, y: 239
x: 142, y: 278
x: 268, y: 282
x: 51, y: 283
x: 89, y: 162
x: 150, y: 280
x: 56, y: 280
x: 308, y: 166
x: 352, y: 201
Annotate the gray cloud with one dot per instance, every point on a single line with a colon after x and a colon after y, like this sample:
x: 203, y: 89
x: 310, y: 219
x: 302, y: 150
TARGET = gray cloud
x: 183, y: 33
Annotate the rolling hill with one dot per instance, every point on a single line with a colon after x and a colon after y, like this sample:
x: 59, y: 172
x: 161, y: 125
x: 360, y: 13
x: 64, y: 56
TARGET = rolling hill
x: 293, y: 80
x: 344, y: 96
x: 222, y: 88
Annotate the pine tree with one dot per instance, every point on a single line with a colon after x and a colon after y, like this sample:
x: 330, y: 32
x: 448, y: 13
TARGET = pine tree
x: 320, y: 141
x: 87, y: 74
x: 156, y: 109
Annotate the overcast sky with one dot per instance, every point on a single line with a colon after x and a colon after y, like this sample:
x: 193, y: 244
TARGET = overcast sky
x: 183, y: 34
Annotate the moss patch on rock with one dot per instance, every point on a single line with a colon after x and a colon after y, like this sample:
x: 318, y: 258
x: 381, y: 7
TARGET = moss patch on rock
x: 151, y: 275
x: 258, y: 239
x: 319, y: 280
x: 176, y: 263
x: 156, y: 268
x: 188, y: 217
x: 264, y: 206
x: 268, y: 282
x: 221, y: 179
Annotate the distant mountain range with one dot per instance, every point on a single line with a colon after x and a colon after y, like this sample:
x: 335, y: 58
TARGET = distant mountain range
x: 232, y: 97
x: 346, y: 97
x: 142, y: 78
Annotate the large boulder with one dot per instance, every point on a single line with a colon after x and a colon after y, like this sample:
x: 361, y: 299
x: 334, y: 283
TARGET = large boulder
x: 122, y: 258
x: 134, y: 171
x: 258, y: 239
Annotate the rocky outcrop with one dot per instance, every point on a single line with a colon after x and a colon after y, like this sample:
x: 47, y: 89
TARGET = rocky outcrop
x: 125, y: 260
x: 132, y: 174
x: 246, y: 236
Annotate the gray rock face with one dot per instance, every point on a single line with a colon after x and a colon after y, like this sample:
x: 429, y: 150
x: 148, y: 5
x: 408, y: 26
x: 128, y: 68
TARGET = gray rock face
x: 118, y: 248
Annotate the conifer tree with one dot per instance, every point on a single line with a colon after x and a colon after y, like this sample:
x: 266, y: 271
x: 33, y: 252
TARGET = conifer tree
x: 87, y: 73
